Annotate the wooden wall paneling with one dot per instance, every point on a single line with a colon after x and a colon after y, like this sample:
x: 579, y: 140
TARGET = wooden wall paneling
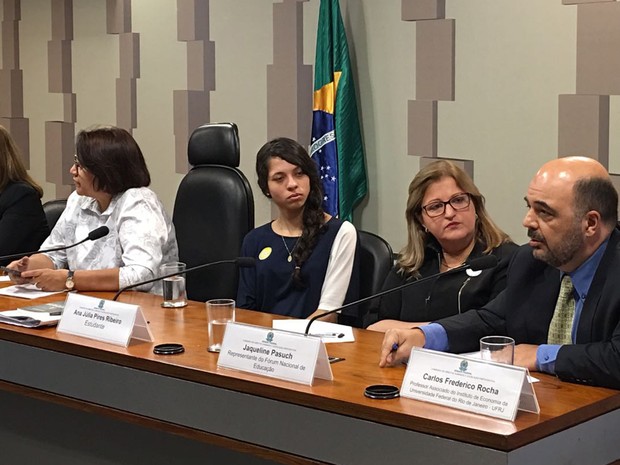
x: 415, y: 10
x: 583, y: 126
x: 289, y: 80
x: 435, y: 59
x: 422, y: 128
x: 192, y: 106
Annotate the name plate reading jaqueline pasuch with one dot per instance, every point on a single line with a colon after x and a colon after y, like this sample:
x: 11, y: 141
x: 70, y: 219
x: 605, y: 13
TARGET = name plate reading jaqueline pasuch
x: 275, y: 353
x: 103, y: 320
x: 478, y: 386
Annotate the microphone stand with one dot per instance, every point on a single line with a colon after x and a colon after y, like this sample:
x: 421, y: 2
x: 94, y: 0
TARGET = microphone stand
x: 241, y: 261
x: 90, y: 237
x: 487, y: 261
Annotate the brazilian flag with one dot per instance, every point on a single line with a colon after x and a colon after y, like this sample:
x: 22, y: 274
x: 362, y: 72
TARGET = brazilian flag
x: 336, y: 138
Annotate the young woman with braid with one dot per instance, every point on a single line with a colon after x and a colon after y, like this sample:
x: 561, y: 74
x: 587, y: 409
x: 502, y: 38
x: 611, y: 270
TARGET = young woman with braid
x: 304, y: 258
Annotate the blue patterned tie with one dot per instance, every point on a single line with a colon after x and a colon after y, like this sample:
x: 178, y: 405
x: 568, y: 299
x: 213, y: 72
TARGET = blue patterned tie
x: 563, y: 315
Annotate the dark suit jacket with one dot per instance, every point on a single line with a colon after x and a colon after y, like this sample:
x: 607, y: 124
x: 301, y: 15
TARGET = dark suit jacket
x: 524, y: 311
x: 23, y: 226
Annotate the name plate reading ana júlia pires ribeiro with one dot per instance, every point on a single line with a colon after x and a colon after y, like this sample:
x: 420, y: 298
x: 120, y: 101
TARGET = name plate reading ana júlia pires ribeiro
x: 103, y: 320
x: 274, y: 353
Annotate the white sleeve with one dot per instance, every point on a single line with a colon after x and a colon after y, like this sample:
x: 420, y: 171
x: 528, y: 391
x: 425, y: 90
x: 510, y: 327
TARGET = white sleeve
x: 63, y: 233
x: 143, y: 232
x: 339, y: 268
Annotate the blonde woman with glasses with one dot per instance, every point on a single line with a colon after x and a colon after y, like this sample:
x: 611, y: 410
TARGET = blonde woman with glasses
x: 447, y: 225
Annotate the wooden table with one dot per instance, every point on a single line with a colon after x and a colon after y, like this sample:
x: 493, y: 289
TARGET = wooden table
x: 66, y: 399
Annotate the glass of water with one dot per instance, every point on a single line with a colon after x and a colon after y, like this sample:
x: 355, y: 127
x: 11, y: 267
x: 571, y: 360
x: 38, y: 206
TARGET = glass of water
x: 174, y: 287
x: 499, y: 349
x: 219, y: 313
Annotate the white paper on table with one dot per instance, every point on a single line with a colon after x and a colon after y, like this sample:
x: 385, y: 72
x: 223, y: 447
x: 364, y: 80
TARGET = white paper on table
x: 5, y: 278
x: 37, y: 318
x: 26, y: 291
x: 327, y: 331
x: 478, y: 356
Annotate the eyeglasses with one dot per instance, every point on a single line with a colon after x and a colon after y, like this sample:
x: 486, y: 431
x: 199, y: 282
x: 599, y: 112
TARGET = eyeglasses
x: 76, y: 162
x: 458, y: 202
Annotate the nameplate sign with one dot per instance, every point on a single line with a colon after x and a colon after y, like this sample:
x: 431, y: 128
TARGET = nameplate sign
x: 275, y: 353
x: 103, y: 320
x: 478, y: 386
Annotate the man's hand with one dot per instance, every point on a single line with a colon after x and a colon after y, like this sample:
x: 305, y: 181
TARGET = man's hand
x: 397, y: 345
x: 525, y: 356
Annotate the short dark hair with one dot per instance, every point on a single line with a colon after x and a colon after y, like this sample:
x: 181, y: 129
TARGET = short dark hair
x: 597, y: 194
x: 114, y: 158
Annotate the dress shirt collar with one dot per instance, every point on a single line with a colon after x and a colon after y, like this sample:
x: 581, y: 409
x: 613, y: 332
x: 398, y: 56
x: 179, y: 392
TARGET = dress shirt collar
x: 90, y: 203
x: 582, y: 277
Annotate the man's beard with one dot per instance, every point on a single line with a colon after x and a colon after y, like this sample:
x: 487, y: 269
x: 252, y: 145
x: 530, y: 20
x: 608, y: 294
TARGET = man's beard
x: 570, y: 243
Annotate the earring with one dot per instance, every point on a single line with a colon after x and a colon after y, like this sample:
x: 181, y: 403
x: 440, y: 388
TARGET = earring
x: 425, y: 229
x: 268, y: 194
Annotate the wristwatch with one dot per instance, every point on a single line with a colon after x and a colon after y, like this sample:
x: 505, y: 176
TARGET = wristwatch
x: 69, y: 283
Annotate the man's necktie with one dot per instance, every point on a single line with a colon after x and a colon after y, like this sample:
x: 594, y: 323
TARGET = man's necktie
x: 562, y: 321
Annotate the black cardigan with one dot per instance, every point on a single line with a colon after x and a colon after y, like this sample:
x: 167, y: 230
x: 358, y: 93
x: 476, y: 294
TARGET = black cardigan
x: 23, y: 226
x: 446, y: 295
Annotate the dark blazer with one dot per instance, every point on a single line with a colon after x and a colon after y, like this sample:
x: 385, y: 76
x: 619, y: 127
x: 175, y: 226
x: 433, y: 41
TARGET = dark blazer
x: 524, y: 311
x: 23, y: 226
x: 448, y: 294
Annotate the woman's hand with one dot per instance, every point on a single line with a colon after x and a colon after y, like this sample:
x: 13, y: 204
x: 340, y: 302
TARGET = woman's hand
x: 20, y: 265
x: 384, y: 325
x: 47, y: 279
x: 332, y: 318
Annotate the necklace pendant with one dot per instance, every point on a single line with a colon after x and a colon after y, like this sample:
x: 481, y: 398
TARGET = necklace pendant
x: 289, y: 259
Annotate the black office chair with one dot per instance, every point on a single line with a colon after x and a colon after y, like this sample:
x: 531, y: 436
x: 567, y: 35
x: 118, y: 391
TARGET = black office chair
x: 53, y: 209
x: 213, y: 211
x: 376, y: 260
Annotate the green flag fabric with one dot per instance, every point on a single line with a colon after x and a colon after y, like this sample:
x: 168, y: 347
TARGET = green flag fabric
x: 336, y: 137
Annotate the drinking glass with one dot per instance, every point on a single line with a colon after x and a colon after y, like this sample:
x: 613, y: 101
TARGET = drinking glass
x: 174, y: 287
x: 499, y: 349
x: 219, y: 313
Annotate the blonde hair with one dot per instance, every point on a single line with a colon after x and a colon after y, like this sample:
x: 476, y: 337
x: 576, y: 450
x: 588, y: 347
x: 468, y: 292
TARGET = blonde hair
x: 12, y: 168
x: 411, y: 256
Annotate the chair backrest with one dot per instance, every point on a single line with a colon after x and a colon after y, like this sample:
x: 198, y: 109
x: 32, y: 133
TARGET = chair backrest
x: 376, y: 260
x: 53, y: 209
x: 213, y: 211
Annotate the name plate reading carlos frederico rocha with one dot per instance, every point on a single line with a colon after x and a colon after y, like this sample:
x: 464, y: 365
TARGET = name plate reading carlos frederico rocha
x: 465, y: 383
x: 274, y: 353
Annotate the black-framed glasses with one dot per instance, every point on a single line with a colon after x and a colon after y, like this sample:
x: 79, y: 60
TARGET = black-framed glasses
x: 76, y: 162
x: 458, y: 202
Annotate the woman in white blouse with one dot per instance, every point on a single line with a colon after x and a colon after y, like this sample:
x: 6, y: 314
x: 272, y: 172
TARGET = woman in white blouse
x: 111, y: 179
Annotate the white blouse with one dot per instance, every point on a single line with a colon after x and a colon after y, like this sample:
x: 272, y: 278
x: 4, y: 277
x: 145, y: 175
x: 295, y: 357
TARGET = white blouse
x: 140, y: 240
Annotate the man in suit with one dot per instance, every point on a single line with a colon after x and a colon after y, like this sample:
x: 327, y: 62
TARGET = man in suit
x: 567, y: 327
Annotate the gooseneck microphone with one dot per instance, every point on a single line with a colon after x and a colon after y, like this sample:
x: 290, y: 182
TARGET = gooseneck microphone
x: 95, y: 234
x: 243, y: 262
x: 479, y: 263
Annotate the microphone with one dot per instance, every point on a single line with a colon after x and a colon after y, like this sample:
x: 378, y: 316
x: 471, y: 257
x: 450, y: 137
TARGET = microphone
x: 95, y: 234
x: 98, y: 233
x: 479, y: 263
x: 244, y: 262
